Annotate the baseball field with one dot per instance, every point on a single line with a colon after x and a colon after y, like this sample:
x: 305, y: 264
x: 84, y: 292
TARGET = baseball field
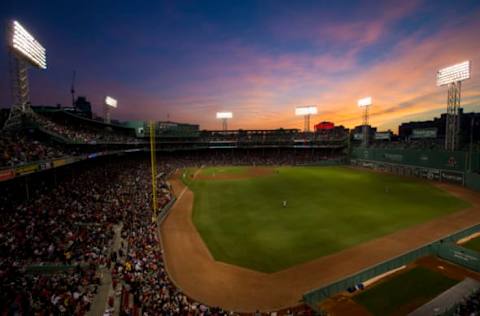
x: 268, y: 219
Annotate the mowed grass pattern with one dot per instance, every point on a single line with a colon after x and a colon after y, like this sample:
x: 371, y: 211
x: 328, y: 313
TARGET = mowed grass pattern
x: 329, y: 209
x: 410, y: 289
x: 473, y: 244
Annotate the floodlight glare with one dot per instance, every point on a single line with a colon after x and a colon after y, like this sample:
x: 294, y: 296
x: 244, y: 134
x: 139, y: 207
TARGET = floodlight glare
x: 224, y: 115
x: 111, y: 102
x: 453, y: 73
x: 306, y: 110
x: 365, y: 102
x: 26, y: 45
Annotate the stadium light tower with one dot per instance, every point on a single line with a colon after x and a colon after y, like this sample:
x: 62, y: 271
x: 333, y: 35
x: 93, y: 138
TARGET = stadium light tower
x: 25, y: 52
x: 110, y: 103
x: 365, y: 103
x: 306, y: 112
x: 453, y: 77
x: 224, y: 116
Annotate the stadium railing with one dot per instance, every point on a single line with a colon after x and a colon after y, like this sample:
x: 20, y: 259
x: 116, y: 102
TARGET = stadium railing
x: 8, y: 173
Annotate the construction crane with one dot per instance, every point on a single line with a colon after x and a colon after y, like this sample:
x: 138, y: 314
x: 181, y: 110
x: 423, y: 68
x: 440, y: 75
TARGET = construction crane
x: 72, y: 89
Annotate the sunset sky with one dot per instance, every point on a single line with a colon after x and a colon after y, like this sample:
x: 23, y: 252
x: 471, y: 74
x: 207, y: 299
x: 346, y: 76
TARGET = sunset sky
x: 258, y: 59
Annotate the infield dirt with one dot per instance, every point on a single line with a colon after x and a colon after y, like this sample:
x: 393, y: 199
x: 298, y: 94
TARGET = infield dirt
x: 193, y: 269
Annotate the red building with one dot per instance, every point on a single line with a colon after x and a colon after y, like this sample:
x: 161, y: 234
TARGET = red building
x: 324, y: 126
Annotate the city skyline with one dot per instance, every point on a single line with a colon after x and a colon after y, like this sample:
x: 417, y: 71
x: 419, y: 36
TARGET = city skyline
x: 188, y: 60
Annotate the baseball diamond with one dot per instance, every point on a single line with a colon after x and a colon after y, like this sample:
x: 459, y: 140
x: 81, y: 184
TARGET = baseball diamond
x: 223, y: 232
x: 242, y: 220
x: 240, y: 158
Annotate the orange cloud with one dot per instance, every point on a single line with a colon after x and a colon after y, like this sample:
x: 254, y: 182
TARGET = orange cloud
x: 263, y: 88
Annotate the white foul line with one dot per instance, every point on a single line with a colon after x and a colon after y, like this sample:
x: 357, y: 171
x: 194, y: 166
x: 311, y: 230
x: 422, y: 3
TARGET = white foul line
x: 186, y: 187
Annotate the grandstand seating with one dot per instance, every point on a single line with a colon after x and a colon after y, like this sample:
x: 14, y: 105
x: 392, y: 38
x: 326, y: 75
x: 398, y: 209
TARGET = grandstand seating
x: 53, y: 247
x: 84, y: 133
x: 18, y: 149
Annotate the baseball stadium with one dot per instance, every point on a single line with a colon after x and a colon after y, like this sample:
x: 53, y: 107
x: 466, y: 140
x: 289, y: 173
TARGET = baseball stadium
x: 151, y: 216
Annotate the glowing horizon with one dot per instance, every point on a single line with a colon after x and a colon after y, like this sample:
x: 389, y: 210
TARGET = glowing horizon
x: 257, y: 60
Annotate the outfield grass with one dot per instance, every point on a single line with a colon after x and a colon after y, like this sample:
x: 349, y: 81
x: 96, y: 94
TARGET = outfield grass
x: 329, y: 209
x: 473, y: 244
x: 412, y: 288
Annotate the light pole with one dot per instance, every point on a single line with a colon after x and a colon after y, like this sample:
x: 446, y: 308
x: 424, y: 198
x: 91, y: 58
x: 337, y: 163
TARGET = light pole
x: 306, y: 112
x: 452, y: 77
x: 224, y: 116
x: 365, y: 103
x: 472, y: 125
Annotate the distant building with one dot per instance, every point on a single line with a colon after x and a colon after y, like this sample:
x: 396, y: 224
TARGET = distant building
x: 470, y: 125
x: 83, y: 107
x: 4, y: 112
x: 383, y: 136
x: 357, y: 132
x: 435, y: 128
x: 407, y: 130
x: 329, y: 128
x: 324, y: 126
x: 164, y: 128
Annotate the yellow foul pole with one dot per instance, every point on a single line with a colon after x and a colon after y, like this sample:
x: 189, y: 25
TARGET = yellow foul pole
x: 153, y: 162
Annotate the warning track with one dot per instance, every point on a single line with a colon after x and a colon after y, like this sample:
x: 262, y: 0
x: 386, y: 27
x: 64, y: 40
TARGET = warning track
x: 193, y: 269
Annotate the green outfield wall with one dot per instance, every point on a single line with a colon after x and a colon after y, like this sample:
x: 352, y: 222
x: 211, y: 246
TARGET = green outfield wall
x: 472, y: 180
x: 465, y: 257
x: 445, y: 246
x: 459, y: 167
x: 435, y: 159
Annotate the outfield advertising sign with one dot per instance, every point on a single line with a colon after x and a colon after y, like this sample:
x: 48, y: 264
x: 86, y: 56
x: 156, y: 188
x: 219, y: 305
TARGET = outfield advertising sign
x: 431, y: 174
x: 432, y: 159
x: 45, y: 165
x: 460, y: 255
x: 394, y: 157
x: 59, y: 162
x: 22, y: 170
x: 7, y: 174
x: 453, y: 177
x: 383, y: 136
x: 424, y: 133
x: 358, y: 136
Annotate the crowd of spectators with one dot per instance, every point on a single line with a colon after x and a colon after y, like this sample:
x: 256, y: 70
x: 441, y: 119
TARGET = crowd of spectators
x: 274, y: 137
x: 84, y: 134
x: 57, y: 293
x: 18, y: 149
x: 268, y: 157
x: 140, y: 266
x: 52, y: 246
x: 67, y: 232
x: 469, y: 307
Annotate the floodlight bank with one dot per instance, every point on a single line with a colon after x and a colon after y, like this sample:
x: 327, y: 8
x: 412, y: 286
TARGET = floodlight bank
x: 365, y: 102
x: 25, y: 43
x: 455, y: 73
x: 306, y: 110
x: 224, y: 115
x: 111, y: 102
